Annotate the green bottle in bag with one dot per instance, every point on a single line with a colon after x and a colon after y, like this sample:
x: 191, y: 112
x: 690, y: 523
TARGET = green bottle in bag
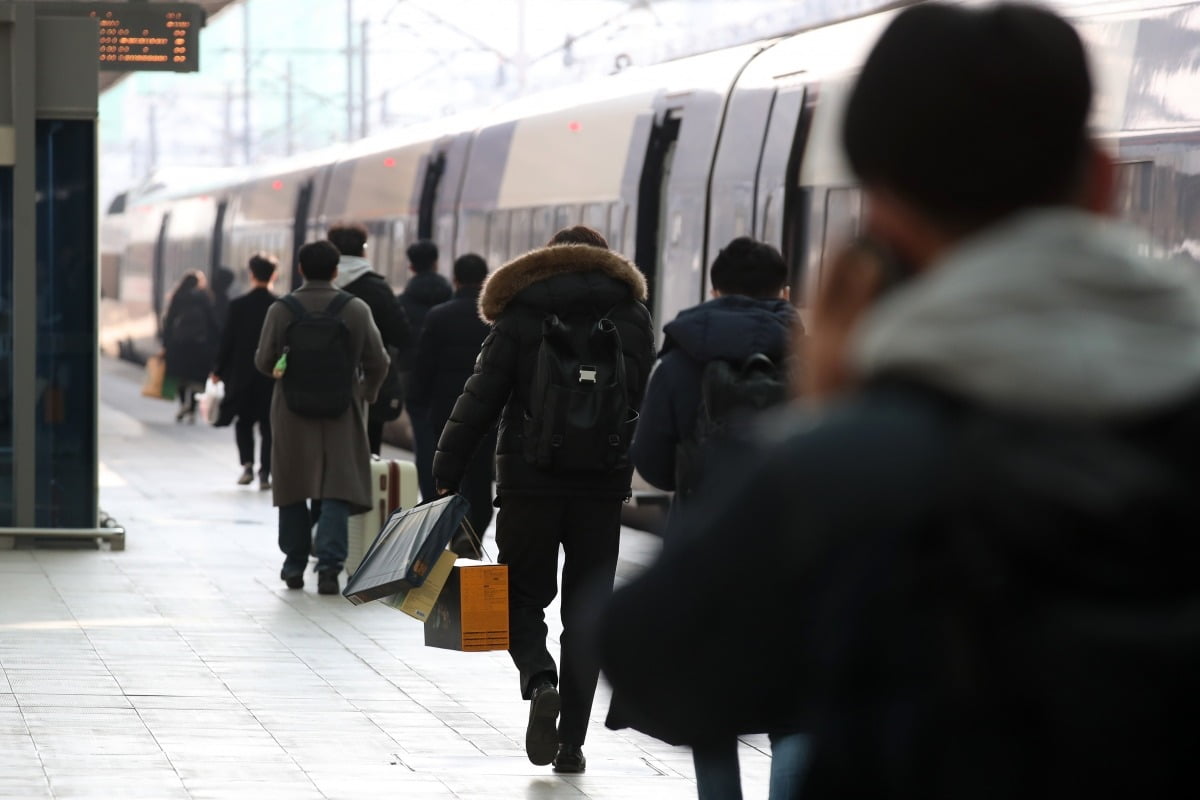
x: 280, y: 365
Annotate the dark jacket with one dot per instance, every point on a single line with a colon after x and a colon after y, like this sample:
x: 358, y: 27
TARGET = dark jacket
x: 975, y: 578
x: 247, y: 391
x: 423, y: 291
x: 372, y: 288
x: 733, y: 328
x: 446, y: 355
x: 190, y: 336
x: 517, y: 297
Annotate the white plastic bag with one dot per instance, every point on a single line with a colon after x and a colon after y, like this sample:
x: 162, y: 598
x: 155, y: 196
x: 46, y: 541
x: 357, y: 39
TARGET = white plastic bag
x: 210, y: 401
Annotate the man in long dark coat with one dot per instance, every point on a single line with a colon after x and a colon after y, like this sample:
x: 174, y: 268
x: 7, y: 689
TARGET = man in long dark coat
x: 248, y: 391
x: 315, y: 458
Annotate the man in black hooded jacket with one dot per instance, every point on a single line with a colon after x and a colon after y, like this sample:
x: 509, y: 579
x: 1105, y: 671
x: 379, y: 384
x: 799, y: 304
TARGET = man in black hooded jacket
x: 424, y: 290
x: 541, y: 509
x: 976, y: 577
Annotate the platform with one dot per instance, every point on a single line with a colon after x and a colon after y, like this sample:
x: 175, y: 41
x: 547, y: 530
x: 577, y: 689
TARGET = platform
x: 182, y: 667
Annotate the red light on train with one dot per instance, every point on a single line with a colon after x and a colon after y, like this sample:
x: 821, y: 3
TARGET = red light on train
x: 277, y: 185
x: 574, y: 126
x: 389, y: 162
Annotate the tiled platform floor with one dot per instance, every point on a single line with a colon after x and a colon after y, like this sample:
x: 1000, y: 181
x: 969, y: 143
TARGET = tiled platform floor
x: 182, y: 667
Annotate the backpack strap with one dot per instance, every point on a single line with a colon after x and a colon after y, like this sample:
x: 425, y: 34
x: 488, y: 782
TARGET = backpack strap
x: 293, y: 305
x: 338, y: 302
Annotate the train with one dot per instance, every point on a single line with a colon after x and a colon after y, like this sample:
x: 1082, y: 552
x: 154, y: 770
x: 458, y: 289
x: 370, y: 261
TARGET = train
x: 669, y: 162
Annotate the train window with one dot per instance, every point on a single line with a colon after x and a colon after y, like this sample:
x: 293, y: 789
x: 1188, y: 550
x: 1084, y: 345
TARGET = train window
x: 497, y: 237
x: 565, y: 217
x: 543, y: 225
x: 519, y: 230
x: 473, y: 233
x: 1135, y: 193
x: 595, y: 216
x: 843, y: 219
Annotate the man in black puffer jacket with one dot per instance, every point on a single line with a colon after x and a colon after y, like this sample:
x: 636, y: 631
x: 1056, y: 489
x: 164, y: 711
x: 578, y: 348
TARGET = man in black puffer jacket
x: 540, y: 509
x: 446, y: 356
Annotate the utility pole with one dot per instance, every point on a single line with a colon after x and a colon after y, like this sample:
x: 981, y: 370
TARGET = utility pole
x: 349, y: 70
x: 363, y: 65
x: 247, y: 134
x: 522, y: 57
x: 227, y: 148
x: 288, y: 111
x: 152, y: 138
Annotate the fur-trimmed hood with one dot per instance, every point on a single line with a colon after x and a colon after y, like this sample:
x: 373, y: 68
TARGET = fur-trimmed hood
x: 552, y: 275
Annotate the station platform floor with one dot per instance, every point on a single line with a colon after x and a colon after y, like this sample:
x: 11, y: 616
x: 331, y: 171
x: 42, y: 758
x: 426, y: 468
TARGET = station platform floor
x: 182, y: 667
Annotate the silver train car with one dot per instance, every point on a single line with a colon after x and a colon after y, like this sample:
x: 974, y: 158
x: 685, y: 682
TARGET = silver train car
x: 669, y: 162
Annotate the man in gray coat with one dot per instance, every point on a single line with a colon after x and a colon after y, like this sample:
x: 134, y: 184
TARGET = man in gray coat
x: 314, y: 458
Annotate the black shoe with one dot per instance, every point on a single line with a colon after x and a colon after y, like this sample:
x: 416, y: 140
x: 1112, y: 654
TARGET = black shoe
x: 541, y: 735
x: 570, y: 759
x: 295, y: 581
x: 327, y: 582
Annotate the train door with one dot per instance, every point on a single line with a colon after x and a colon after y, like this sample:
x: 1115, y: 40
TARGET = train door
x: 652, y: 190
x: 782, y: 203
x: 304, y: 199
x: 158, y: 272
x: 435, y: 168
x: 217, y: 250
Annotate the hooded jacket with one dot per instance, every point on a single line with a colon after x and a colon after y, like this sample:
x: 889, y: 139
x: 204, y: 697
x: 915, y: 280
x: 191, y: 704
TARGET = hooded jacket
x: 733, y: 328
x: 1032, y: 405
x: 561, y: 279
x: 356, y: 277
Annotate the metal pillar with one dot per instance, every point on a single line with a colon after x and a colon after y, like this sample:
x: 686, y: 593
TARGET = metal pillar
x: 49, y: 67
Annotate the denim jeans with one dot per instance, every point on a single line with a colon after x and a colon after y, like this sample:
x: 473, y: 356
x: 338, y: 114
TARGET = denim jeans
x: 718, y: 773
x: 295, y: 536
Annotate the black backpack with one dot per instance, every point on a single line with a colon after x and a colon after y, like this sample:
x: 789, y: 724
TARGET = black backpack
x: 730, y: 394
x: 321, y: 371
x: 579, y: 417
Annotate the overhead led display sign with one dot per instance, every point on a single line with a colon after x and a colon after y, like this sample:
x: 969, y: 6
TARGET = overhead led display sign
x: 140, y: 35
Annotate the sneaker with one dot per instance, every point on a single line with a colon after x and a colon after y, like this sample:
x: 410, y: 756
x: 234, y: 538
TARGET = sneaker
x: 264, y: 481
x: 570, y: 759
x: 327, y: 582
x: 247, y: 474
x: 294, y: 581
x: 541, y: 735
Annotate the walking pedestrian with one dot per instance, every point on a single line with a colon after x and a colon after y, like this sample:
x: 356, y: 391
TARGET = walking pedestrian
x: 424, y: 290
x: 445, y: 359
x: 316, y: 342
x: 574, y: 308
x: 189, y: 335
x: 248, y: 391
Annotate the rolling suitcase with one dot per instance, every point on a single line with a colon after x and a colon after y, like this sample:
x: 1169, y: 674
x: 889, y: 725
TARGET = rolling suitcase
x: 393, y: 485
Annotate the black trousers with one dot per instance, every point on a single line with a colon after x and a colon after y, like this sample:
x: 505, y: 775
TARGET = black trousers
x: 243, y: 431
x: 529, y: 530
x: 477, y: 484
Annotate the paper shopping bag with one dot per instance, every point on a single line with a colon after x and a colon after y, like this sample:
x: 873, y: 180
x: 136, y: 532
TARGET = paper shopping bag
x: 406, y: 549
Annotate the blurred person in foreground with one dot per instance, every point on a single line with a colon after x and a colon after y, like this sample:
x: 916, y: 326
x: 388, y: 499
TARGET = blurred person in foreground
x: 248, y: 391
x: 328, y: 358
x: 722, y: 363
x: 424, y: 290
x: 356, y: 276
x: 975, y: 575
x: 446, y: 355
x: 563, y: 371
